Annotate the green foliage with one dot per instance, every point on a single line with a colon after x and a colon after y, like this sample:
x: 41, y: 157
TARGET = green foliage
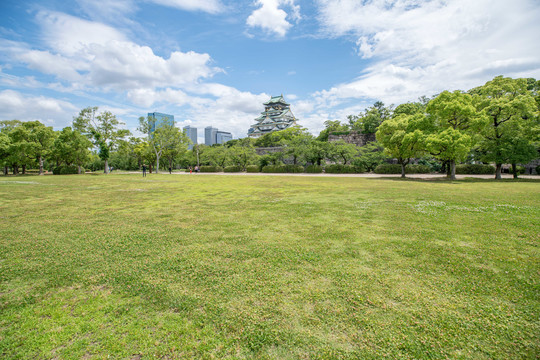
x: 67, y: 170
x: 475, y: 169
x: 519, y: 170
x: 388, y: 169
x: 369, y: 156
x: 331, y: 126
x: 211, y: 168
x: 314, y: 169
x: 537, y: 170
x: 287, y: 168
x: 510, y: 120
x: 368, y: 121
x: 252, y: 168
x: 343, y: 169
x: 233, y: 168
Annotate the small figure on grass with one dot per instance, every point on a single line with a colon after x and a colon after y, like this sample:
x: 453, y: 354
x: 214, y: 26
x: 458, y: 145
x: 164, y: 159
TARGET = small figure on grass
x: 190, y: 170
x: 144, y: 170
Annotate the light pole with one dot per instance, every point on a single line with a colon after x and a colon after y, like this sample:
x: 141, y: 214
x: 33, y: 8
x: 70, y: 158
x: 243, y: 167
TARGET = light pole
x: 197, y: 156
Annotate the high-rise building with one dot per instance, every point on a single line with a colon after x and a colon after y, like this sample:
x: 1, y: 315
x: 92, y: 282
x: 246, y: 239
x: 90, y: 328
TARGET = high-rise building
x: 210, y: 135
x: 191, y: 133
x: 222, y: 137
x: 276, y: 116
x: 160, y: 119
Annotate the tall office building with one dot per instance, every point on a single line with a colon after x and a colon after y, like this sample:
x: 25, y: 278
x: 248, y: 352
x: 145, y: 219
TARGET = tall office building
x: 222, y: 137
x: 210, y: 135
x: 191, y: 133
x: 159, y: 119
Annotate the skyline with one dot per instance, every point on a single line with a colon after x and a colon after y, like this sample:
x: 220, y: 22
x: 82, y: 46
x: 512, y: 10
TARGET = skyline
x: 215, y: 62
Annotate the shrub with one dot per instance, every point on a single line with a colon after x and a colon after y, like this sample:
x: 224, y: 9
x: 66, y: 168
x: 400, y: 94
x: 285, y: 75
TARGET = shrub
x: 313, y: 169
x: 417, y: 169
x: 475, y: 169
x: 67, y: 169
x: 537, y: 170
x: 288, y: 168
x: 274, y: 169
x: 294, y: 168
x: 388, y: 169
x: 210, y: 168
x: 252, y: 168
x: 343, y: 169
x: 233, y: 168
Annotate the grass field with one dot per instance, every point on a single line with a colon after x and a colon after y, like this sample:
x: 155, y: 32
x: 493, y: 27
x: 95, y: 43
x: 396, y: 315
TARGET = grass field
x: 268, y: 267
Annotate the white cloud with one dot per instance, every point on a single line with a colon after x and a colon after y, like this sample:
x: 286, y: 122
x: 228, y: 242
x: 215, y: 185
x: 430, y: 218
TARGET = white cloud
x: 69, y: 35
x: 210, y: 6
x: 271, y: 18
x: 51, y: 112
x: 418, y: 47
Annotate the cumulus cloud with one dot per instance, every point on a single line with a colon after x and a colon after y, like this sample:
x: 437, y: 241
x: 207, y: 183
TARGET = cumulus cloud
x: 418, y: 47
x: 51, y: 112
x: 271, y: 18
x: 92, y: 54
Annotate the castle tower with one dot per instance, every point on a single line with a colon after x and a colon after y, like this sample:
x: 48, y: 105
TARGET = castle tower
x: 276, y: 116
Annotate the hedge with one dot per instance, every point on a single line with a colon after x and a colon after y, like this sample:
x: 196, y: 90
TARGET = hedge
x: 67, y: 169
x: 313, y: 169
x: 252, y: 168
x: 283, y: 169
x: 538, y: 170
x: 233, y: 168
x: 396, y: 169
x: 211, y: 168
x: 475, y: 169
x: 343, y: 169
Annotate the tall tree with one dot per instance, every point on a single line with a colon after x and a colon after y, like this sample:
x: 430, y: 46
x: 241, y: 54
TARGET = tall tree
x: 330, y: 127
x: 342, y: 151
x: 403, y: 137
x: 165, y: 137
x: 40, y: 139
x: 368, y: 121
x: 454, y: 116
x: 72, y: 147
x: 243, y: 153
x: 102, y: 128
x: 505, y: 105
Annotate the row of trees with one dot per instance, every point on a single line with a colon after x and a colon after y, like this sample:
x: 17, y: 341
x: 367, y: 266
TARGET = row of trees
x: 498, y: 122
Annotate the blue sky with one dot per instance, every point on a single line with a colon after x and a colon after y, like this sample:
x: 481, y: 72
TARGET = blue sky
x: 214, y: 62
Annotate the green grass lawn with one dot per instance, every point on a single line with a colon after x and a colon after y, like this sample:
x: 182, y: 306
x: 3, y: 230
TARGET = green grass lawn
x: 268, y: 267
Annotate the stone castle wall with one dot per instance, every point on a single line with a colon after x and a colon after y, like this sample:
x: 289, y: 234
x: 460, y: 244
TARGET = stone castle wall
x: 353, y: 137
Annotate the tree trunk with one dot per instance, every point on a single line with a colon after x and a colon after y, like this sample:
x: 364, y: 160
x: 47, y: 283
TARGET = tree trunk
x: 514, y: 171
x: 498, y: 171
x: 106, y: 170
x: 452, y: 170
x: 402, y: 163
x: 150, y: 168
x: 15, y: 169
x: 79, y: 169
x: 157, y: 164
x: 6, y: 169
x: 40, y: 165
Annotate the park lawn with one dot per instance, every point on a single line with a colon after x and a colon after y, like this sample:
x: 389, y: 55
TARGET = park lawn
x: 268, y: 267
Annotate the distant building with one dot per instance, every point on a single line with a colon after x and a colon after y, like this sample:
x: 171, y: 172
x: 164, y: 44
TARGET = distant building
x: 210, y: 135
x: 222, y: 137
x: 159, y: 119
x: 276, y: 116
x: 191, y: 133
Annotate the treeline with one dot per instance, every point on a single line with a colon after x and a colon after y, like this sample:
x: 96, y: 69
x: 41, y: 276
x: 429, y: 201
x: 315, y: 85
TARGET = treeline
x: 496, y: 123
